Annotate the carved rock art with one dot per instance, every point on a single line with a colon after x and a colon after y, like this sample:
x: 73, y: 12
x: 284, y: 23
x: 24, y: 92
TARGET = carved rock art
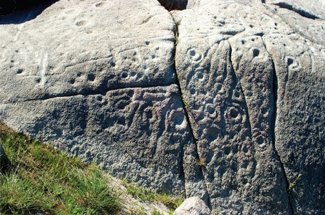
x: 223, y: 100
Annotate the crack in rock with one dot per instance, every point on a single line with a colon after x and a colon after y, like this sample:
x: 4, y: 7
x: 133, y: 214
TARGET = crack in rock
x: 273, y: 125
x: 206, y: 125
x: 187, y: 112
x: 300, y: 11
x: 88, y: 93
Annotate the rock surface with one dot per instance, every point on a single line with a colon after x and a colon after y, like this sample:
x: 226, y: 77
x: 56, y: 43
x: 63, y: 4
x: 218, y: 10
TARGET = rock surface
x: 193, y: 206
x: 103, y: 88
x: 223, y: 100
x: 253, y: 78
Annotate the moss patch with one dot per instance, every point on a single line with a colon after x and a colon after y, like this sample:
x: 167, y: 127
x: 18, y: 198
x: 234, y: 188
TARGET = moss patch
x: 146, y: 195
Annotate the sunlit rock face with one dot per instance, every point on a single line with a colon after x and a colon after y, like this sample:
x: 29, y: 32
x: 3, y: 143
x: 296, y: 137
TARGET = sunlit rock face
x: 223, y: 99
x: 97, y: 78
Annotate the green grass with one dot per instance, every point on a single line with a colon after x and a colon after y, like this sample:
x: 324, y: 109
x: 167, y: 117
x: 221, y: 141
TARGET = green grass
x: 155, y: 212
x: 146, y: 195
x: 171, y: 202
x: 44, y: 180
x: 293, y: 184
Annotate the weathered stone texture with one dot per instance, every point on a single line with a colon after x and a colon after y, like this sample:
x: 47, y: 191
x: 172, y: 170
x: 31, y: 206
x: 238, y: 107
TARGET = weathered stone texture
x: 223, y: 100
x: 97, y: 79
x: 257, y: 140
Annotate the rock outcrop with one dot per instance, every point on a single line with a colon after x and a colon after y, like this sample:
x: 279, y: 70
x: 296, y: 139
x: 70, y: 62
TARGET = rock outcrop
x: 223, y: 100
x: 193, y: 206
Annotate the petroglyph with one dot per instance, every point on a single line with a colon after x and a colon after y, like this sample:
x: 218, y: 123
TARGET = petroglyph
x: 218, y: 99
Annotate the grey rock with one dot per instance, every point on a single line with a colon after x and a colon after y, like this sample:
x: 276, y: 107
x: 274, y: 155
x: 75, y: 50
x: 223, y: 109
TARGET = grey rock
x: 79, y: 54
x: 4, y: 161
x: 96, y: 78
x: 193, y: 206
x: 256, y: 139
x: 223, y: 100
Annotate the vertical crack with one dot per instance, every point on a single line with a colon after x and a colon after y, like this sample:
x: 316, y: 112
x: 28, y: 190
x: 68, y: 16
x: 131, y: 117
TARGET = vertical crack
x: 241, y: 90
x: 187, y: 112
x: 273, y: 125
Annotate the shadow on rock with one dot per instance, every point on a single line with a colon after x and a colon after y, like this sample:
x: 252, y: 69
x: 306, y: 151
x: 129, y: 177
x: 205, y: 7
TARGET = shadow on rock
x: 4, y: 161
x: 5, y: 164
x: 20, y: 11
x: 174, y: 4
